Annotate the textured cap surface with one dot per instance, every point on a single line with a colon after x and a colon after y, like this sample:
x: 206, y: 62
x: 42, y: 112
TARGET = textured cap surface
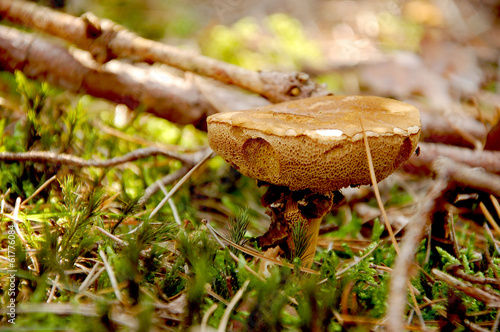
x: 317, y: 143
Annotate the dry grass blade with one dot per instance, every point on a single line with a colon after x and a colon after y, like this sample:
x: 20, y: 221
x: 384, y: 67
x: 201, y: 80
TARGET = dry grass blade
x: 206, y: 316
x: 111, y: 276
x: 180, y: 183
x: 376, y: 191
x: 111, y: 236
x: 384, y: 214
x: 53, y: 289
x: 225, y: 318
x: 91, y: 277
x: 495, y: 204
x: 108, y: 201
x: 490, y: 218
x: 171, y: 203
x: 43, y: 186
x: 233, y: 256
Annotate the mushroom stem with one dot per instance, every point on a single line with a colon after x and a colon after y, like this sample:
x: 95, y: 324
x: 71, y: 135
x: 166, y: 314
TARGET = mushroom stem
x: 313, y: 233
x: 287, y: 209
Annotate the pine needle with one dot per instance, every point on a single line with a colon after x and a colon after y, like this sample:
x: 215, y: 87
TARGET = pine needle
x: 238, y: 228
x: 301, y: 240
x: 377, y: 192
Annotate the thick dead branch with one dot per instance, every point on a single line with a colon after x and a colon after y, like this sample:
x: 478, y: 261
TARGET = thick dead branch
x: 161, y: 93
x: 454, y: 128
x: 464, y: 176
x: 106, y: 40
x: 489, y: 160
x: 66, y: 159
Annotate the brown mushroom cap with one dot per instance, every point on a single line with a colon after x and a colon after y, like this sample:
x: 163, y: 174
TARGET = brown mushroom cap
x: 317, y: 143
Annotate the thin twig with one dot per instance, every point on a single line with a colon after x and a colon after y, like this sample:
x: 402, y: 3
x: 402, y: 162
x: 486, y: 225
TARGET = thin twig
x: 477, y: 293
x: 88, y: 310
x: 411, y: 239
x: 490, y: 233
x: 497, y: 321
x: 66, y: 159
x: 488, y: 160
x: 167, y: 179
x: 386, y: 220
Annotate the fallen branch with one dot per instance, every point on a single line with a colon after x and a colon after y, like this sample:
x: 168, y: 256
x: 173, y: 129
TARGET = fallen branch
x: 106, y: 40
x: 160, y: 93
x: 465, y: 176
x: 454, y: 128
x: 489, y: 160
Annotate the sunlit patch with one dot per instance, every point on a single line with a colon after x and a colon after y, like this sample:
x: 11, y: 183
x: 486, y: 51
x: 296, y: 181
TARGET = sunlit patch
x: 329, y: 132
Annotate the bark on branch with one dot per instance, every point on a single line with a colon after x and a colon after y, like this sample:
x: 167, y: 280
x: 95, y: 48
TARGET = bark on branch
x: 159, y: 92
x: 489, y: 160
x: 107, y: 40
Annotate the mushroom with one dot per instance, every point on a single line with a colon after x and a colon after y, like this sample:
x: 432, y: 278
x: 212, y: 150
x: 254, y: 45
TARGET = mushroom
x: 309, y: 149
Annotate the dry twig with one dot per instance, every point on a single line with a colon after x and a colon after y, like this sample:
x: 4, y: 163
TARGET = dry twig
x: 488, y: 298
x: 66, y: 159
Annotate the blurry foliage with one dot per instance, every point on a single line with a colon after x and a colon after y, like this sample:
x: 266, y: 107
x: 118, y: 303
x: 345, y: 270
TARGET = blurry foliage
x: 153, y: 19
x: 280, y: 42
x: 399, y: 33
